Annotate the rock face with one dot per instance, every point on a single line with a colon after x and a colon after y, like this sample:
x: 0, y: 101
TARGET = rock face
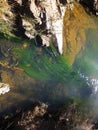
x: 40, y: 18
x: 76, y: 22
x: 49, y: 16
x: 50, y: 21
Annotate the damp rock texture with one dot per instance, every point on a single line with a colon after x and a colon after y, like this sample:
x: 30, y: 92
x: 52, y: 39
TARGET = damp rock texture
x: 76, y: 23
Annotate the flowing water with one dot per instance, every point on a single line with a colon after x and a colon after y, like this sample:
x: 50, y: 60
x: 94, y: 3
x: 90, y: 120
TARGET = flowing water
x: 25, y: 90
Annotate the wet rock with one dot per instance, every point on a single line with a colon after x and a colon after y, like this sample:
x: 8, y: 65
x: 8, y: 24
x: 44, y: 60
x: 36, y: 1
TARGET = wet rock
x: 76, y: 22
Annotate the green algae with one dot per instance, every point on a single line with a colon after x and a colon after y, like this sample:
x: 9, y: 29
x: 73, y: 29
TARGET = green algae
x: 43, y: 63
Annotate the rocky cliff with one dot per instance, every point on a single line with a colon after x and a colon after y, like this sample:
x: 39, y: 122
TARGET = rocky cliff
x: 61, y: 22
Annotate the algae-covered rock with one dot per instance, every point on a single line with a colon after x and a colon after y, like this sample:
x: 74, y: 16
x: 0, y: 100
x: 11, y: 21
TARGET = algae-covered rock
x: 76, y: 22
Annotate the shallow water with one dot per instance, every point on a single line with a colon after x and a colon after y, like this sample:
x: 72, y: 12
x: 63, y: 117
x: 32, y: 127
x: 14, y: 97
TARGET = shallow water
x: 24, y: 89
x: 34, y: 91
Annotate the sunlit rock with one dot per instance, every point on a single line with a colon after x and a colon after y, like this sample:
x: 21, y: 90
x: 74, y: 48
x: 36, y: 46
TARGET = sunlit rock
x: 19, y: 1
x: 29, y: 28
x: 36, y: 11
x: 70, y: 1
x: 4, y: 88
x: 50, y: 14
x: 45, y: 40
